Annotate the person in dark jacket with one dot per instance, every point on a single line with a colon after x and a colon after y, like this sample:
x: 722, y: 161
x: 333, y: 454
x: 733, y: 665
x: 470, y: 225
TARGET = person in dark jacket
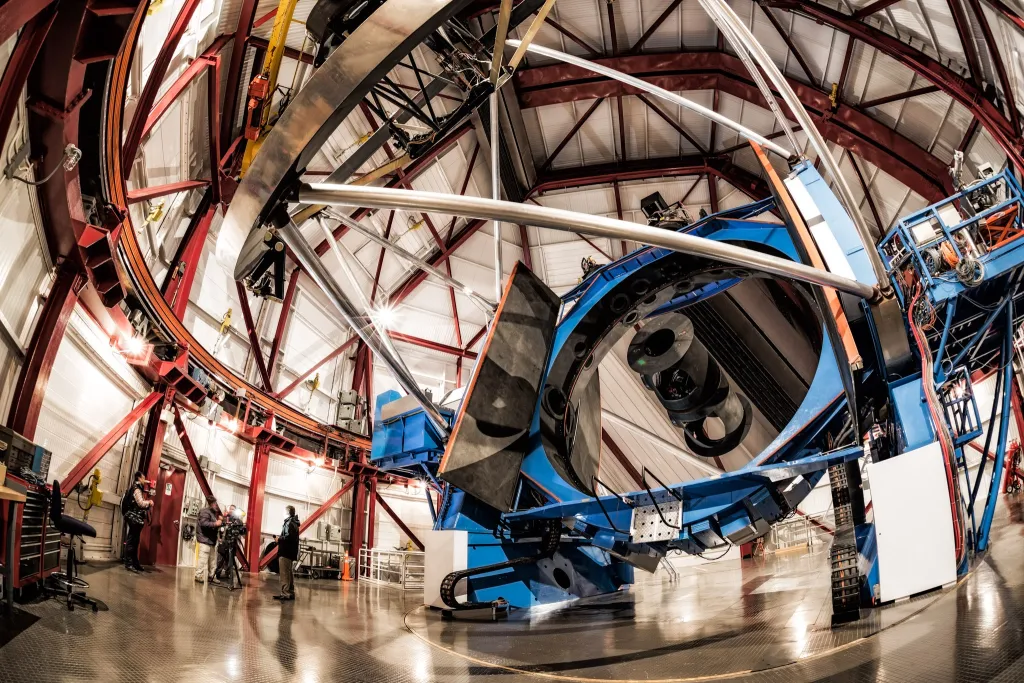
x: 288, y: 553
x: 210, y: 521
x: 135, y: 519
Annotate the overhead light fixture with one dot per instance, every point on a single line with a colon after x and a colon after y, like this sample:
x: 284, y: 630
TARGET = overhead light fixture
x: 385, y: 316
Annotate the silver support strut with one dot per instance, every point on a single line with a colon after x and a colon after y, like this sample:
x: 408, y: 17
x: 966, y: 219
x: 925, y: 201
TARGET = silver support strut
x: 496, y: 193
x: 481, y: 302
x: 722, y: 14
x: 661, y: 93
x: 578, y: 223
x: 317, y: 270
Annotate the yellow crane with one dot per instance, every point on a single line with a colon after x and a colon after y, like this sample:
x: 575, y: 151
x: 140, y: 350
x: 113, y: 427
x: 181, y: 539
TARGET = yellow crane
x: 262, y: 87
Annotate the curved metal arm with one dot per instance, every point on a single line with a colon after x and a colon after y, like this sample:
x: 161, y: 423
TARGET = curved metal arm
x: 580, y: 223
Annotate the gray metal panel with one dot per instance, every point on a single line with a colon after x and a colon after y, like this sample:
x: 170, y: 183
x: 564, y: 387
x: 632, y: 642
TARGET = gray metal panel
x: 334, y: 90
x: 486, y: 449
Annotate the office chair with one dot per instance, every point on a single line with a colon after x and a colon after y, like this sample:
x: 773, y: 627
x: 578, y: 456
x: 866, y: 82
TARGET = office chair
x: 67, y: 584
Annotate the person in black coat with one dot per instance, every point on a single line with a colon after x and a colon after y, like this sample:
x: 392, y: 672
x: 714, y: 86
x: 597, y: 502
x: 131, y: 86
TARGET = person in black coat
x: 288, y: 553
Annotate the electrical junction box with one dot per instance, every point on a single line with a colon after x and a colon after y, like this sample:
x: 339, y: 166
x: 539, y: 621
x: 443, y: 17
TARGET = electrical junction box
x: 913, y: 522
x: 348, y: 397
x: 346, y: 411
x: 334, y: 533
x: 192, y: 507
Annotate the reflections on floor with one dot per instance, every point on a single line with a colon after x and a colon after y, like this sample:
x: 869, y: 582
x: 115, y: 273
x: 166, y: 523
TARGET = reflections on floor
x: 720, y: 619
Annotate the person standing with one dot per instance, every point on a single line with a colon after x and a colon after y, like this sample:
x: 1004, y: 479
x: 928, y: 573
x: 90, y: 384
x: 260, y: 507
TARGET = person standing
x: 134, y: 511
x: 223, y: 551
x: 210, y: 521
x: 288, y: 553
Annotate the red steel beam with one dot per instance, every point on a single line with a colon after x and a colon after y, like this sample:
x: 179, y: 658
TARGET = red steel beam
x: 182, y: 273
x: 867, y: 195
x: 152, y: 192
x: 312, y: 519
x: 410, y: 283
x: 282, y: 320
x: 246, y: 17
x: 997, y: 62
x: 1008, y: 13
x: 876, y: 6
x: 867, y: 104
x: 42, y: 350
x: 88, y: 461
x: 614, y: 449
x: 965, y: 32
x: 190, y: 454
x: 254, y: 506
x: 391, y: 513
x: 572, y: 36
x: 848, y: 126
x: 430, y: 344
x: 16, y: 13
x: 147, y: 97
x: 569, y: 136
x: 26, y: 49
x: 654, y: 27
x: 476, y: 337
x: 316, y: 366
x: 784, y: 34
x: 672, y: 122
x: 213, y: 125
x: 455, y: 306
x: 380, y: 259
x: 254, y: 338
x: 181, y: 83
x: 464, y: 186
x: 358, y: 526
x: 669, y: 167
x: 965, y: 92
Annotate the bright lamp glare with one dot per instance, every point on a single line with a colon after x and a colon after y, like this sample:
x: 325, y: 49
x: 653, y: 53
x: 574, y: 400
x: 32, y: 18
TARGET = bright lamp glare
x: 385, y: 316
x: 134, y: 345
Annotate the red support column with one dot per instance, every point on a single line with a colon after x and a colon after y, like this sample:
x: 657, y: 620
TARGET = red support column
x: 254, y: 337
x: 81, y: 470
x: 190, y: 454
x: 46, y: 339
x: 156, y: 77
x: 282, y: 321
x: 357, y: 532
x: 149, y: 463
x: 213, y: 125
x: 16, y: 13
x: 254, y: 509
x: 246, y: 16
x: 18, y: 66
x: 182, y: 273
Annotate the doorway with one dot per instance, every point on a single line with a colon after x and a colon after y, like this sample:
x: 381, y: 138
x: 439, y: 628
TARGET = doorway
x: 165, y: 525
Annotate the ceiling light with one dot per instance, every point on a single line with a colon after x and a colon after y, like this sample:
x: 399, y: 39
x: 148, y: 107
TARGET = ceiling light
x: 385, y: 317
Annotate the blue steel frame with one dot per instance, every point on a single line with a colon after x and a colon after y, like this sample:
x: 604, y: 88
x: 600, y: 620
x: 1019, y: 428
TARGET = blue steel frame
x: 899, y: 243
x: 736, y: 502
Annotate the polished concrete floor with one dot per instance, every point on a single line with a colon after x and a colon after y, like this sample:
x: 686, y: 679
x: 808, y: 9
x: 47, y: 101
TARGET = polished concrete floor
x: 714, y: 622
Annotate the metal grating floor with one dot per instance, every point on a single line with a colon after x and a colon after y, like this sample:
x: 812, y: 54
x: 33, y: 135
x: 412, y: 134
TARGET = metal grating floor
x: 715, y: 621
